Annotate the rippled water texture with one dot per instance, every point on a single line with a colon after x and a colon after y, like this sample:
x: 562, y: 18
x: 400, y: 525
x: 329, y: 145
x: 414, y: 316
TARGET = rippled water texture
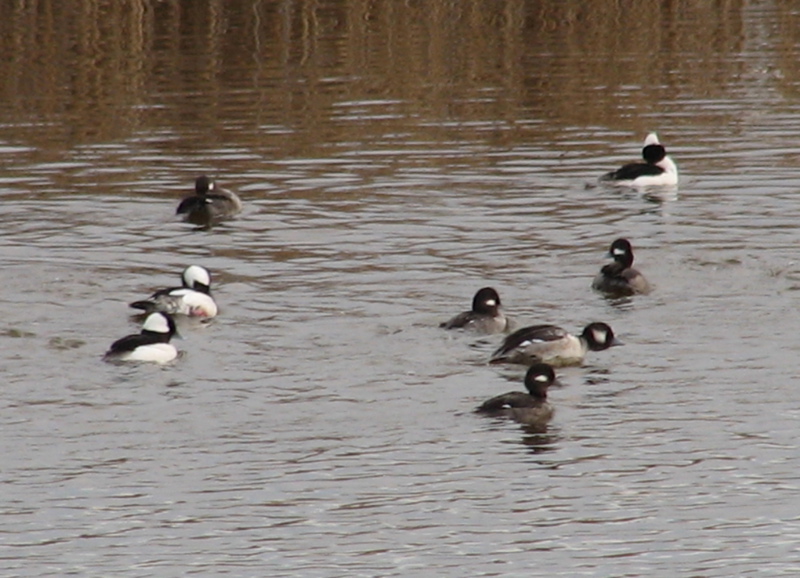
x: 393, y: 158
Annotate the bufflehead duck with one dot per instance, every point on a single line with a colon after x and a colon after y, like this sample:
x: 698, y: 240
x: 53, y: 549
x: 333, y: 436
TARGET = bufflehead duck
x: 527, y: 408
x: 485, y: 316
x: 620, y: 278
x: 553, y: 345
x: 152, y: 344
x: 209, y: 205
x: 657, y: 168
x: 193, y: 299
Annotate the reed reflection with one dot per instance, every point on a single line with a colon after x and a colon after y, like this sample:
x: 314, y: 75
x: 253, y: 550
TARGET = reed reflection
x: 103, y: 70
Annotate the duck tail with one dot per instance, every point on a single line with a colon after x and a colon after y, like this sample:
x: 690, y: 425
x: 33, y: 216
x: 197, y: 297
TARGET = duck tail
x: 146, y: 306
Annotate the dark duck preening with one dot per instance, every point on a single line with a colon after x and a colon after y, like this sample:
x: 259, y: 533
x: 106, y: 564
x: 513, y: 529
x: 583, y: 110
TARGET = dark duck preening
x: 209, y: 205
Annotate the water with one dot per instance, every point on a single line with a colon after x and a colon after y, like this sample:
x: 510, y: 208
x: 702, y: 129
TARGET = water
x: 393, y: 159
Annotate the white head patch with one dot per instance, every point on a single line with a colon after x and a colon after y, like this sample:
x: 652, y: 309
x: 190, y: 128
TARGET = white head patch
x: 196, y: 274
x: 157, y: 323
x: 541, y: 378
x: 651, y: 139
x: 491, y: 302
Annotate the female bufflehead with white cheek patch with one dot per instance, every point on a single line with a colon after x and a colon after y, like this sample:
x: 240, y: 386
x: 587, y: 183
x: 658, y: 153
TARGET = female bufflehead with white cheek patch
x: 193, y: 299
x: 484, y: 317
x: 152, y: 344
x: 553, y: 345
x: 656, y: 170
x: 529, y: 408
x: 620, y: 278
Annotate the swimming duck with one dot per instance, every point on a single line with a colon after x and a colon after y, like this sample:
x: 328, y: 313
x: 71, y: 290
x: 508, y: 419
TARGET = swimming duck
x: 485, y: 316
x: 553, y: 345
x: 193, y: 299
x: 620, y: 278
x: 152, y: 344
x: 527, y: 408
x: 657, y: 168
x: 209, y: 205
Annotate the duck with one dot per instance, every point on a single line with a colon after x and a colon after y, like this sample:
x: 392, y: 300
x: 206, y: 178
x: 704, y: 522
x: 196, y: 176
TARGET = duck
x: 620, y: 278
x: 209, y: 205
x: 554, y: 345
x: 484, y: 317
x: 151, y: 344
x: 529, y: 408
x: 657, y: 168
x: 192, y: 299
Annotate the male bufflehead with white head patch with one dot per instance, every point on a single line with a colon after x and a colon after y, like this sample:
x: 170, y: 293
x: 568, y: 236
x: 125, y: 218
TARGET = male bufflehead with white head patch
x: 152, y: 344
x: 193, y: 299
x: 657, y: 168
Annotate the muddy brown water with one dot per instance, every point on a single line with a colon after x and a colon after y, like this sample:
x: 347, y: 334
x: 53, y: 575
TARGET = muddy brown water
x: 394, y: 158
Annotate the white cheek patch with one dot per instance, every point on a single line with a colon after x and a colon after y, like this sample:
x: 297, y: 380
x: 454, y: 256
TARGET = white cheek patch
x: 599, y: 336
x: 619, y: 251
x: 195, y: 274
x: 541, y: 378
x: 491, y: 302
x: 157, y: 323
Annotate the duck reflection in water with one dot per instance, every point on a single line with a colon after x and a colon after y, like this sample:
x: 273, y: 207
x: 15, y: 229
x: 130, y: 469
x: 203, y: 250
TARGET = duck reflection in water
x: 540, y: 440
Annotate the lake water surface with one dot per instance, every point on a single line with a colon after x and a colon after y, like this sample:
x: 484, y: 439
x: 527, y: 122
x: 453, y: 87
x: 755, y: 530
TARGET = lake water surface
x: 394, y: 158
